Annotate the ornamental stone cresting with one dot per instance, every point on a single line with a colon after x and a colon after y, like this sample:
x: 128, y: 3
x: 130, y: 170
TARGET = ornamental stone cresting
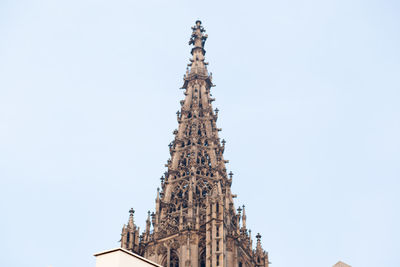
x: 195, y: 222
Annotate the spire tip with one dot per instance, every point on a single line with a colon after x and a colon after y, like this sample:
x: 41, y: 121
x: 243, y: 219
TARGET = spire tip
x: 131, y: 212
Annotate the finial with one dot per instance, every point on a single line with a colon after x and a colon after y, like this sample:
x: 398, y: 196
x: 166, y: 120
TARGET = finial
x: 230, y: 174
x: 258, y: 236
x: 223, y: 142
x: 162, y: 179
x: 239, y: 210
x: 216, y: 110
x: 131, y: 212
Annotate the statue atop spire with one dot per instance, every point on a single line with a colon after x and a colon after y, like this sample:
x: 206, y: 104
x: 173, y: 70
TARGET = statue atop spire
x: 198, y: 38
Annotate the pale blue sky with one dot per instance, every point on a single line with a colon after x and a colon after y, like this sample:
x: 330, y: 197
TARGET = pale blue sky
x: 309, y: 99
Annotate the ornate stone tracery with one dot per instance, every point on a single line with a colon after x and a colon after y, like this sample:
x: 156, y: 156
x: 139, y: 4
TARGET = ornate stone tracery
x: 195, y: 222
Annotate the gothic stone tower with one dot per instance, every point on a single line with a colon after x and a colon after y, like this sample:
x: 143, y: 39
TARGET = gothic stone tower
x: 195, y: 222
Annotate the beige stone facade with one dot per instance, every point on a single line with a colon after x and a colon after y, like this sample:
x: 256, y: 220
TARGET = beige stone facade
x: 195, y: 222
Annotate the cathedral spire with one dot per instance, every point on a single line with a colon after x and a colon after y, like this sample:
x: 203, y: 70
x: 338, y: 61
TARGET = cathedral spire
x: 195, y: 222
x: 258, y: 236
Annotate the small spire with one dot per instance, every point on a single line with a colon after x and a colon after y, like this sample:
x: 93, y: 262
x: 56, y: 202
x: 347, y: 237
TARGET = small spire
x: 230, y: 174
x: 244, y: 217
x: 153, y: 218
x: 131, y: 222
x: 258, y: 246
x: 251, y: 239
x: 148, y: 224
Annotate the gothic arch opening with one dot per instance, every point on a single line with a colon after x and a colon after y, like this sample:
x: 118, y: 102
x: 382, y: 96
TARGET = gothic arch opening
x: 164, y: 261
x: 174, y: 260
x: 202, y: 259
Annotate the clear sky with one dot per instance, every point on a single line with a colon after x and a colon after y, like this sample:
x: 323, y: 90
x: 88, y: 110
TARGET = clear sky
x: 309, y: 100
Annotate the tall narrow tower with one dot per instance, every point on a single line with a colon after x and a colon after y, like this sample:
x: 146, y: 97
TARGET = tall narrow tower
x: 195, y: 222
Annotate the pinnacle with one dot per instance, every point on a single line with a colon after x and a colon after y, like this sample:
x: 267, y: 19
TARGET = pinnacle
x: 131, y: 212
